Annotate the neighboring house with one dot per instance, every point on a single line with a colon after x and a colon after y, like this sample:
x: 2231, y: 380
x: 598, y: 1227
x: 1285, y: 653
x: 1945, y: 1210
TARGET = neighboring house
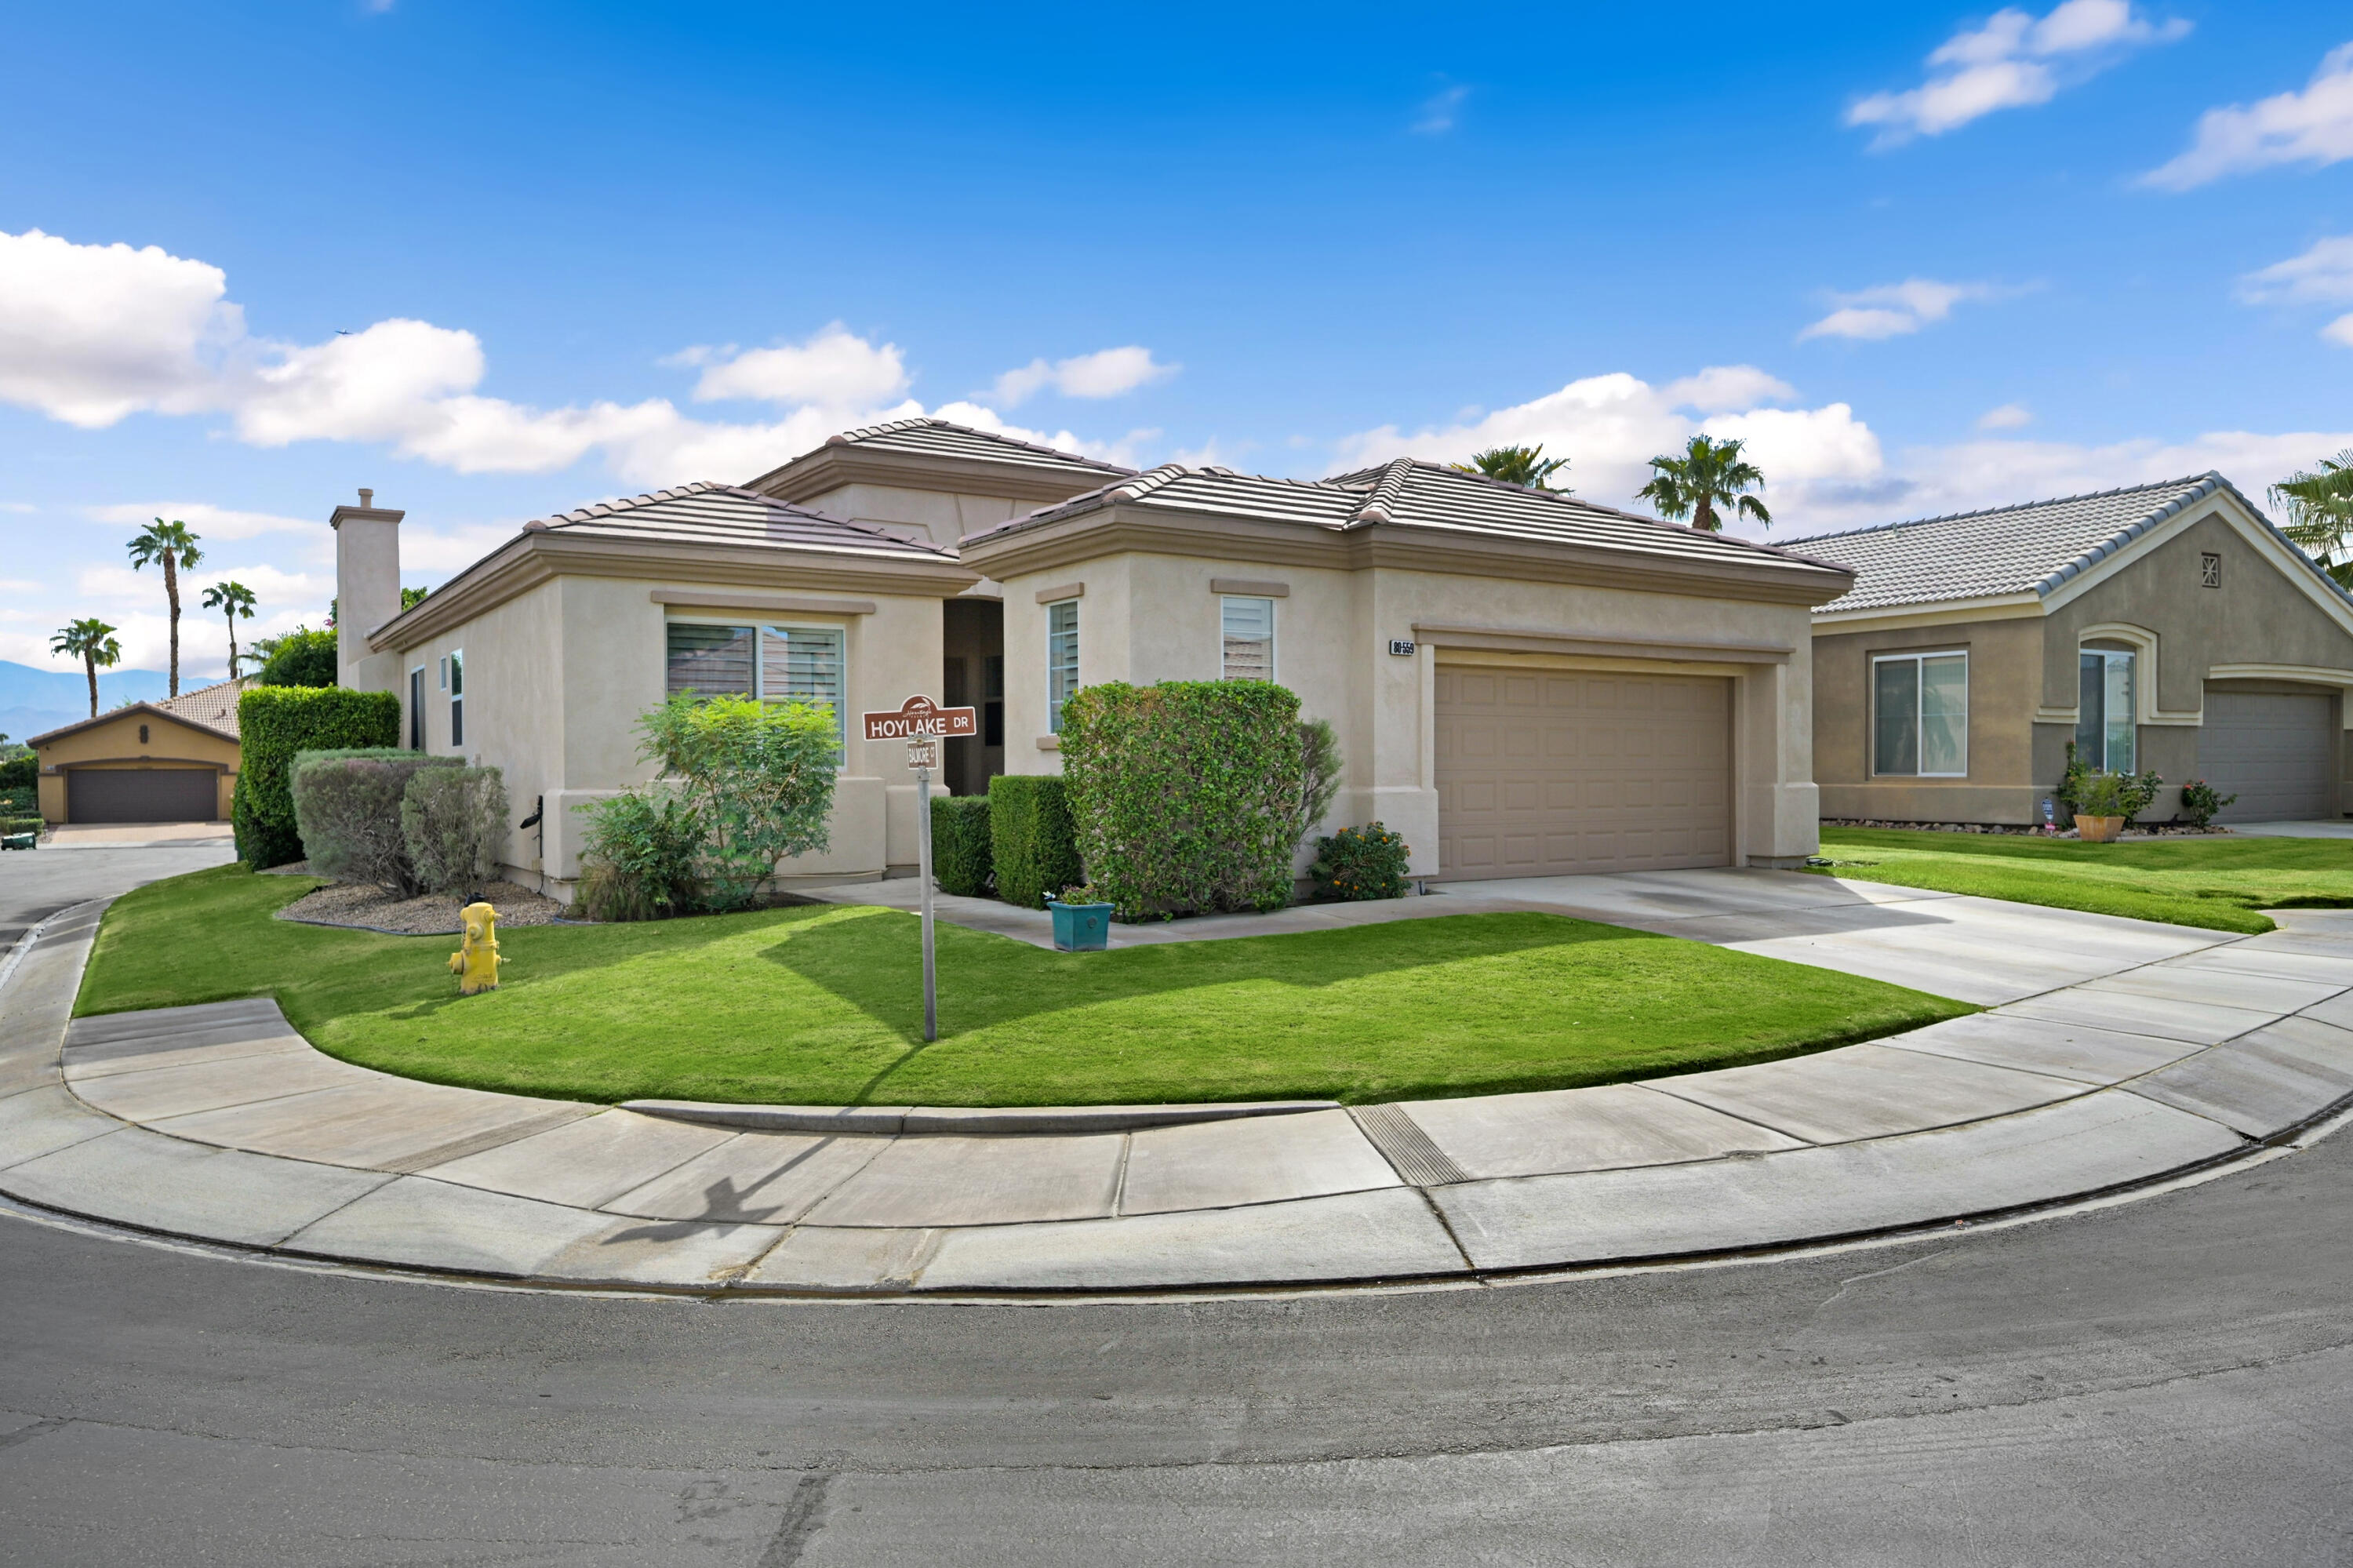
x: 2166, y: 626
x: 1520, y: 683
x: 169, y: 761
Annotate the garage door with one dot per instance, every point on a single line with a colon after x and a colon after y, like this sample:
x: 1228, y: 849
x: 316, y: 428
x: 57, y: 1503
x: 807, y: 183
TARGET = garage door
x: 141, y: 795
x: 1551, y: 773
x: 2275, y: 750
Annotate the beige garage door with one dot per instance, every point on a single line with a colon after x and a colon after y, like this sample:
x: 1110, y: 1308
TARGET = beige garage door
x: 1545, y: 773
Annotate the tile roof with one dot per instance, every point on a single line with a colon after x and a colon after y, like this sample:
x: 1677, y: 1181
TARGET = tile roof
x: 1411, y: 493
x: 708, y: 513
x: 213, y: 707
x: 939, y: 438
x: 2029, y: 549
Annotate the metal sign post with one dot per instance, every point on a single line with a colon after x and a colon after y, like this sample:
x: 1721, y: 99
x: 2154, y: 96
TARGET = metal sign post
x: 920, y: 722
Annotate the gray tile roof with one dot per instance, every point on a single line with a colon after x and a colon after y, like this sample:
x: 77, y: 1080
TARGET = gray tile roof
x: 708, y: 513
x: 939, y: 438
x: 2030, y: 549
x: 1411, y: 493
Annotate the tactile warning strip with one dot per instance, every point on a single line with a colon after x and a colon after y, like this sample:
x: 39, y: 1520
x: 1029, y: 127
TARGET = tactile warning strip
x: 1403, y: 1143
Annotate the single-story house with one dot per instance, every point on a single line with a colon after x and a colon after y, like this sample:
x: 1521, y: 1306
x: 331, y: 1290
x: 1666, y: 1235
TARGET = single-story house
x: 1520, y: 683
x: 2163, y: 626
x: 169, y: 761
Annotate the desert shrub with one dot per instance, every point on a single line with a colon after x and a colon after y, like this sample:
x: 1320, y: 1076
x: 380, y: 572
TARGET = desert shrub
x: 454, y: 821
x: 2138, y: 791
x: 1031, y: 846
x: 1185, y: 795
x: 20, y: 772
x: 2201, y: 800
x: 20, y: 801
x: 2100, y: 795
x: 275, y: 723
x: 961, y: 862
x: 639, y: 860
x: 1319, y: 773
x: 347, y: 812
x: 301, y: 658
x: 758, y: 777
x: 1360, y: 863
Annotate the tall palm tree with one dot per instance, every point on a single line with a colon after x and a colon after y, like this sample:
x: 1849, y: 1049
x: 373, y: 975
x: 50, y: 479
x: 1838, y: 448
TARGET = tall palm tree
x: 232, y: 599
x: 172, y: 544
x: 1525, y: 466
x: 1710, y: 474
x: 2319, y: 508
x: 91, y: 641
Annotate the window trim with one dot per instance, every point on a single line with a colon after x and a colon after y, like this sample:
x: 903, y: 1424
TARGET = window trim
x: 1273, y: 638
x: 455, y: 663
x: 1054, y: 704
x: 758, y: 627
x: 1919, y: 688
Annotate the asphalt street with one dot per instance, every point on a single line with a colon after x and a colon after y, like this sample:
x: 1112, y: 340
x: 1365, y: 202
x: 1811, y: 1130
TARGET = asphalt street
x: 2162, y: 1381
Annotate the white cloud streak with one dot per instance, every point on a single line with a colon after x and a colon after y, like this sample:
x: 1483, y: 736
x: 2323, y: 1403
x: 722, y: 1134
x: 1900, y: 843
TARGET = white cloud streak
x: 1441, y: 113
x: 2314, y: 126
x: 2008, y: 417
x: 1893, y: 310
x: 2322, y: 275
x: 1106, y: 372
x: 2013, y: 61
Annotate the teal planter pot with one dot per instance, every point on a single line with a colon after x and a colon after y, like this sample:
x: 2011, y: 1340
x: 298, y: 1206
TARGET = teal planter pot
x: 1082, y: 928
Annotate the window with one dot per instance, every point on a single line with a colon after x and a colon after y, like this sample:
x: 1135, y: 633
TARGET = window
x: 416, y: 709
x: 457, y: 698
x: 1248, y: 651
x: 712, y: 661
x: 142, y: 735
x: 1061, y: 660
x: 774, y: 663
x: 2105, y: 714
x: 2209, y: 570
x: 804, y: 663
x: 1920, y: 715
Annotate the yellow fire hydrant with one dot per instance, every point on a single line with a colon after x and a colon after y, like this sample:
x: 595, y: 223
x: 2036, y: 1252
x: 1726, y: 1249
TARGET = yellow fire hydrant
x: 476, y: 962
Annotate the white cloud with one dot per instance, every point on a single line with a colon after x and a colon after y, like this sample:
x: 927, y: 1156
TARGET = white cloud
x: 1440, y: 112
x: 1893, y: 310
x: 1107, y: 373
x: 2340, y: 331
x: 1609, y: 427
x: 209, y: 523
x: 91, y: 334
x: 2323, y: 274
x: 2013, y: 61
x: 2008, y: 417
x: 2315, y: 126
x: 835, y: 369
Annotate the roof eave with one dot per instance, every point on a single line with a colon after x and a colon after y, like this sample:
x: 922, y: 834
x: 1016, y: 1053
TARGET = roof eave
x: 37, y: 741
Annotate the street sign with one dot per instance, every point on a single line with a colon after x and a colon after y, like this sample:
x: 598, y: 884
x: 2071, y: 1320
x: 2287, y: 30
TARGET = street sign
x: 918, y: 717
x: 923, y: 755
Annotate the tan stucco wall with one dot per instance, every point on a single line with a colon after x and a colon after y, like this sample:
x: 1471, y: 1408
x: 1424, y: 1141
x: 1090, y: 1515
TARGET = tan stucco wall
x: 114, y: 743
x: 941, y: 517
x: 557, y: 676
x: 2005, y: 680
x: 1146, y: 617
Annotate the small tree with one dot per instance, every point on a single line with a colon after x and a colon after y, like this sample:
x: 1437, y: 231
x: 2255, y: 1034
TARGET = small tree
x: 1709, y: 474
x: 1524, y: 466
x: 758, y: 777
x: 1319, y: 773
x: 298, y: 658
x: 91, y: 641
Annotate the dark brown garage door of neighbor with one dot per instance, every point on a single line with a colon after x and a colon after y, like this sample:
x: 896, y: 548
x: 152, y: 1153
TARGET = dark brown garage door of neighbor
x: 141, y: 794
x: 1549, y: 773
x: 2275, y: 750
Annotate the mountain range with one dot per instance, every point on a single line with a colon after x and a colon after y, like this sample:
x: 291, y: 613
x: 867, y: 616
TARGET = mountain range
x: 34, y: 701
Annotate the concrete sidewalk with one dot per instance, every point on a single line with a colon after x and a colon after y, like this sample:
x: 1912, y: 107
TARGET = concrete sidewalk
x: 2121, y: 1052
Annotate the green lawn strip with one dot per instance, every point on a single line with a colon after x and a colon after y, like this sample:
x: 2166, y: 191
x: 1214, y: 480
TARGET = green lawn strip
x: 822, y: 1006
x: 2218, y: 884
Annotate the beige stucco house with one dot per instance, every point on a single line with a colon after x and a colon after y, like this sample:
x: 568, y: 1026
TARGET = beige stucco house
x: 1520, y: 683
x: 169, y: 761
x: 2167, y: 625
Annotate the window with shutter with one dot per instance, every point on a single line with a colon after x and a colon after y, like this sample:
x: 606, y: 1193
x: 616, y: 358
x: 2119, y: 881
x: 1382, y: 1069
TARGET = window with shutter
x: 1247, y: 638
x: 805, y: 664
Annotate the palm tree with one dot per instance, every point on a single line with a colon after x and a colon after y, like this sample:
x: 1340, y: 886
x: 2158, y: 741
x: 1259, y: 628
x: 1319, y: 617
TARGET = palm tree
x: 2319, y: 508
x: 1710, y: 474
x: 232, y: 599
x: 172, y: 544
x: 91, y: 641
x: 1525, y: 466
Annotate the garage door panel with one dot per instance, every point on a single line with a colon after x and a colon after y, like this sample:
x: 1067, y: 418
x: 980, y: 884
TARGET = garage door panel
x: 2276, y: 751
x: 1622, y: 773
x: 141, y: 795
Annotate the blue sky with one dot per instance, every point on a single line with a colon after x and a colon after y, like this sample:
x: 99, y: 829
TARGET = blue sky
x: 1923, y: 259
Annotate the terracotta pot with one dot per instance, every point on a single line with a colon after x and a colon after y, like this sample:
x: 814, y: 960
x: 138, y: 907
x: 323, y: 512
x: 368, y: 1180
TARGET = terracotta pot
x: 2099, y: 830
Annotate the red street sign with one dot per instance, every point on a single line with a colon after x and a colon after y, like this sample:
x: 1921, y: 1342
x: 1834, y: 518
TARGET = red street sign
x: 921, y: 718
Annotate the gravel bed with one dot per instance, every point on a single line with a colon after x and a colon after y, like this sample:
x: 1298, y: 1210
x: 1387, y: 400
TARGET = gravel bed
x: 366, y: 907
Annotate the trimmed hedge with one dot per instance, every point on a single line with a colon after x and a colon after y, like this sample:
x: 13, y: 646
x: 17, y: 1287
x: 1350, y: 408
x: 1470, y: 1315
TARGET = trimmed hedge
x: 347, y: 810
x: 962, y: 858
x: 1029, y: 837
x: 1185, y: 794
x: 454, y: 823
x: 301, y: 658
x: 273, y: 723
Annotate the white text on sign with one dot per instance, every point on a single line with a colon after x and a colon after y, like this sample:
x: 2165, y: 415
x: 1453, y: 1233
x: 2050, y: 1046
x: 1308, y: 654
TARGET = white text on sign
x: 920, y: 717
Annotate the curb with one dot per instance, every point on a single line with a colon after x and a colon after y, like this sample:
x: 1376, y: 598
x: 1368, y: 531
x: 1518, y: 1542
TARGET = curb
x: 899, y: 1120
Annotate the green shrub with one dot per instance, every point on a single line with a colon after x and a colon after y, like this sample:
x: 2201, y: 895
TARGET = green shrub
x: 2201, y: 800
x: 1185, y: 795
x: 301, y: 658
x: 758, y: 777
x: 1031, y: 846
x: 274, y: 723
x: 454, y: 823
x: 640, y: 855
x: 1360, y: 863
x: 19, y: 801
x: 19, y: 772
x: 347, y: 812
x: 1319, y: 773
x: 961, y: 861
x: 2100, y: 795
x: 21, y: 824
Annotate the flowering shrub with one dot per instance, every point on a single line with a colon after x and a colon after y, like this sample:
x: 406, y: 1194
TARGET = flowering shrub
x: 2201, y: 801
x: 1361, y: 863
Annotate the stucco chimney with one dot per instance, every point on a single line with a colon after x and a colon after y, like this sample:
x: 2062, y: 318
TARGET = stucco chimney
x: 367, y: 591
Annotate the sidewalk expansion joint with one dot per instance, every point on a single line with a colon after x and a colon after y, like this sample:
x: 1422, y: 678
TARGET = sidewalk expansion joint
x: 1410, y: 1151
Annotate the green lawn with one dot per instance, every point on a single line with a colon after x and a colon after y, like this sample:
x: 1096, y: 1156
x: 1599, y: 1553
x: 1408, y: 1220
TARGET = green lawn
x: 822, y: 1006
x: 2219, y: 883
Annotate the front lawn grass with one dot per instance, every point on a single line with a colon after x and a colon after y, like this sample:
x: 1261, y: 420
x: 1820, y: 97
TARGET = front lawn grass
x: 822, y: 1005
x: 2218, y: 884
